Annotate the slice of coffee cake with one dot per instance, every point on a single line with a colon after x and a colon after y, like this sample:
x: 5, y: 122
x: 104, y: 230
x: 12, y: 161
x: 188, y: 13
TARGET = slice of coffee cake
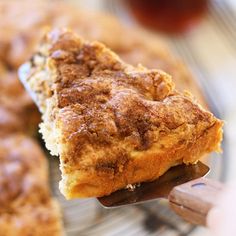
x: 112, y: 124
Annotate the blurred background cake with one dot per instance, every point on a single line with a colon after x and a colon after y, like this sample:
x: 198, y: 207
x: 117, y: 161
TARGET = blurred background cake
x: 26, y: 206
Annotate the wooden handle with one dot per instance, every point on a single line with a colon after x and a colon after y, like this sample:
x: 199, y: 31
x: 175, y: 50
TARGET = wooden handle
x: 193, y: 200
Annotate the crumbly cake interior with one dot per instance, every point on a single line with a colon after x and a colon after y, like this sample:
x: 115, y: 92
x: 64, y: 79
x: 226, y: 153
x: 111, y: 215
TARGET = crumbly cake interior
x: 26, y: 206
x: 112, y: 124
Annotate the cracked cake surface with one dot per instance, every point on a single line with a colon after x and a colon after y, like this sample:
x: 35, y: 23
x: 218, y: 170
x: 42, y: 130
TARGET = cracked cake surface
x: 112, y: 124
x: 20, y: 36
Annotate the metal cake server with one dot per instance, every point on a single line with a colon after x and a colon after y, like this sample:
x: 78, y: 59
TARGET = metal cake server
x: 190, y: 194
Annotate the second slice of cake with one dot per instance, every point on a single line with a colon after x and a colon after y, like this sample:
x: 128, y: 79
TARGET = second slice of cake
x: 112, y: 124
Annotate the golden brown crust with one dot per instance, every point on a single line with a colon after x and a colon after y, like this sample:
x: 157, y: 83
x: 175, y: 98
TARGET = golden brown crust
x: 112, y: 124
x: 157, y: 55
x: 25, y: 201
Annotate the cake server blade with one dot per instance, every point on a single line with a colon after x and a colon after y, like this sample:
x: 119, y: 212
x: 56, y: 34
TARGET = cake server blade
x: 159, y: 188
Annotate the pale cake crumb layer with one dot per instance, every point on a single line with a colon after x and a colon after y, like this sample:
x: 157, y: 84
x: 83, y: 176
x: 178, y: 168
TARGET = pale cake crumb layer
x: 112, y: 124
